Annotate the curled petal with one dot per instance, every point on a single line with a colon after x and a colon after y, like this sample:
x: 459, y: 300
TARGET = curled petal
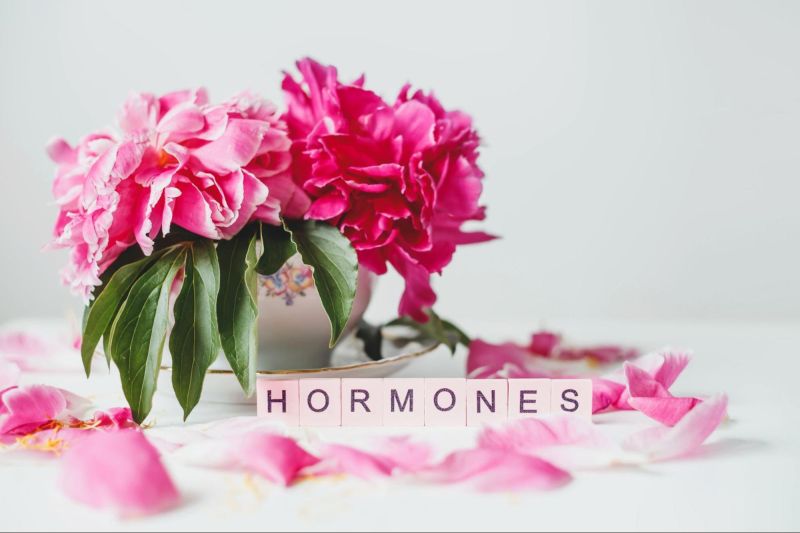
x: 668, y: 411
x: 605, y: 393
x: 118, y: 470
x: 662, y: 443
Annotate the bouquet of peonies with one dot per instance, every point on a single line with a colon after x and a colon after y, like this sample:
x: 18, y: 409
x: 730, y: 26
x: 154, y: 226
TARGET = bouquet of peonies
x: 196, y: 199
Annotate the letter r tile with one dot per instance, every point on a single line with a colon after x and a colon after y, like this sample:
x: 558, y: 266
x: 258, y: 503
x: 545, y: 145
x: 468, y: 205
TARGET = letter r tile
x: 320, y: 402
x: 362, y: 402
x: 528, y: 398
x: 278, y: 400
x: 404, y: 402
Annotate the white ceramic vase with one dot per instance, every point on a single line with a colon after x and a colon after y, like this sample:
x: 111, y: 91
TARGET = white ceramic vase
x: 293, y: 329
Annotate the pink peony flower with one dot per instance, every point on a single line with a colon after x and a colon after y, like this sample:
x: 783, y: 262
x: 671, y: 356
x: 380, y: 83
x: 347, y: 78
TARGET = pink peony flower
x: 398, y: 180
x: 209, y: 169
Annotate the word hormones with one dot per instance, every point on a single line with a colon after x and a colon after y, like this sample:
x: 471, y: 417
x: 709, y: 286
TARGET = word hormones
x: 419, y: 402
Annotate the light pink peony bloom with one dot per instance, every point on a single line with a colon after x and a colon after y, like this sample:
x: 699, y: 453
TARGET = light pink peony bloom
x: 398, y: 180
x: 118, y: 470
x: 176, y: 159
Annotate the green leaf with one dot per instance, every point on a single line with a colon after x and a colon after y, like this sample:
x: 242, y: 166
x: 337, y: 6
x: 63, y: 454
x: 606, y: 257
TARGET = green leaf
x: 278, y: 248
x: 99, y: 315
x: 237, y: 305
x: 138, y: 332
x: 194, y: 342
x: 435, y: 328
x: 335, y: 267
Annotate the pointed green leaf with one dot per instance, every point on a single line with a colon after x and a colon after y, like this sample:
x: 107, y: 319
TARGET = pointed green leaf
x: 335, y: 267
x: 442, y: 331
x: 237, y: 308
x: 138, y: 332
x: 194, y: 342
x: 278, y: 248
x: 99, y: 315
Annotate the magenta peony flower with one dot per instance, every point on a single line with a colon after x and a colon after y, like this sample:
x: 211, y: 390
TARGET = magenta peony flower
x: 209, y: 169
x: 398, y: 180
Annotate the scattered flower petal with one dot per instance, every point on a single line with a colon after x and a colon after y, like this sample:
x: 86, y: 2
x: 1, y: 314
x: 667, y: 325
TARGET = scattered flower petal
x: 397, y: 455
x: 118, y: 470
x: 276, y: 458
x: 605, y: 394
x: 491, y: 470
x: 662, y: 443
x: 24, y: 410
x: 567, y: 442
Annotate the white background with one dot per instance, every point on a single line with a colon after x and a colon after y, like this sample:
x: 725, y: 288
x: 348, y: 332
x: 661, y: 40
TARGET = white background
x: 642, y: 157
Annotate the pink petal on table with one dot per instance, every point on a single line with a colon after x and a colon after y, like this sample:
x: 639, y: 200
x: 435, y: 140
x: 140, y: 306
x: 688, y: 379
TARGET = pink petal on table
x: 492, y: 470
x: 605, y: 393
x: 642, y: 384
x: 274, y: 457
x: 24, y: 409
x: 668, y: 411
x: 395, y: 455
x: 662, y: 443
x: 408, y: 455
x: 486, y: 360
x: 566, y: 442
x: 9, y: 375
x: 544, y: 342
x: 338, y: 459
x: 114, y: 418
x: 118, y: 470
x: 662, y: 368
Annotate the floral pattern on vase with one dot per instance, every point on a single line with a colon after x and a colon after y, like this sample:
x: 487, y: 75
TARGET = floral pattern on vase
x: 288, y: 283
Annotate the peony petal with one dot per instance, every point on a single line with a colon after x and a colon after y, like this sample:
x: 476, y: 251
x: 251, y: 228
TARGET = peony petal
x: 668, y: 411
x: 397, y: 454
x: 486, y: 359
x: 118, y: 470
x: 274, y: 457
x: 327, y: 207
x: 234, y: 149
x: 642, y: 384
x: 24, y: 409
x: 605, y: 393
x: 338, y: 459
x: 492, y: 470
x: 662, y: 443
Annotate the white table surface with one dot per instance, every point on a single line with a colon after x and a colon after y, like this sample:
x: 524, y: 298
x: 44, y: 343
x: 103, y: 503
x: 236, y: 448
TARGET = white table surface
x: 748, y: 476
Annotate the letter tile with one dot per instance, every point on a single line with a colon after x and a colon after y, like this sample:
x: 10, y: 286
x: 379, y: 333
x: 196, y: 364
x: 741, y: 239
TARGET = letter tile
x: 445, y: 402
x: 278, y: 400
x: 404, y: 402
x: 362, y: 402
x: 320, y: 402
x: 528, y: 398
x: 572, y: 396
x: 487, y: 401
